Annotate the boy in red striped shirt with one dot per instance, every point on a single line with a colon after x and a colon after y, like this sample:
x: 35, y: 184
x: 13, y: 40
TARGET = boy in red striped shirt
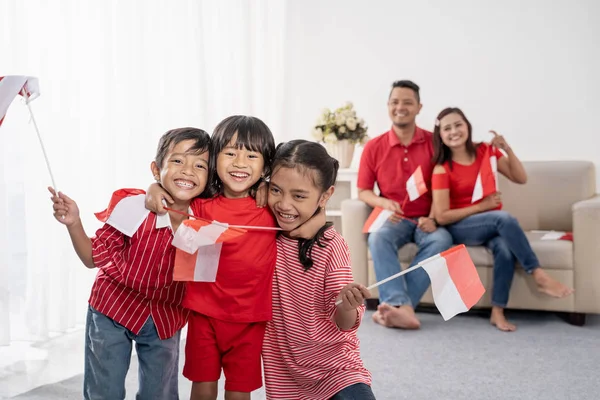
x: 134, y: 297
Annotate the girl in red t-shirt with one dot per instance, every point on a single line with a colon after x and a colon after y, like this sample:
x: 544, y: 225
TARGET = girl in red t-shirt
x: 473, y: 216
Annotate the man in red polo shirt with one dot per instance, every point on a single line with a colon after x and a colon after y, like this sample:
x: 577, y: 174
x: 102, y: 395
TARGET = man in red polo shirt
x: 388, y: 160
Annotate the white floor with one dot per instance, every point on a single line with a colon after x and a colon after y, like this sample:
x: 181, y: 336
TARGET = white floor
x: 24, y: 367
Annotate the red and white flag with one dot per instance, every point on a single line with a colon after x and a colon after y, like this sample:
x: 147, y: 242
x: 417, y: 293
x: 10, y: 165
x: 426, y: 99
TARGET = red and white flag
x: 13, y: 85
x: 455, y: 283
x: 487, y: 178
x: 376, y: 220
x: 198, y: 244
x: 415, y: 185
x: 126, y: 211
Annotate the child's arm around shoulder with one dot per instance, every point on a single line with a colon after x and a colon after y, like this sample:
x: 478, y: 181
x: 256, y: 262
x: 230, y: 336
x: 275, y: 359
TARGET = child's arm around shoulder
x: 67, y: 213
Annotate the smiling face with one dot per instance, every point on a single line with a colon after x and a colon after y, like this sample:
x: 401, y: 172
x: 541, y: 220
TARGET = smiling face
x: 403, y: 107
x: 294, y: 197
x: 184, y: 172
x: 454, y: 131
x: 239, y: 169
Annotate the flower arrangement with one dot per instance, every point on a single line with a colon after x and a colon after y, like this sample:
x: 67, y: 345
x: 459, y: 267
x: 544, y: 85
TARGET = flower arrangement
x: 341, y: 124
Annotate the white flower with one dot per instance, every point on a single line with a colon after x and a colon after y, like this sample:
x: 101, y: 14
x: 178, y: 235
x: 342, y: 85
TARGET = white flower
x: 318, y: 134
x: 342, y: 129
x: 325, y: 112
x: 361, y: 122
x: 348, y: 105
x: 330, y: 138
x: 351, y: 124
x: 340, y: 119
x: 364, y: 139
x: 321, y: 121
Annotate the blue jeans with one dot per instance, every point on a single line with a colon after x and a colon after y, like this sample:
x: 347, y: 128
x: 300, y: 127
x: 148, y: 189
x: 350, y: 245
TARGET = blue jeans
x: 358, y: 391
x: 384, y: 245
x: 501, y: 233
x: 108, y: 348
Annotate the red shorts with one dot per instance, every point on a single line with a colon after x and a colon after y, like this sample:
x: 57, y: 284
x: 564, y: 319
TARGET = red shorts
x: 212, y: 345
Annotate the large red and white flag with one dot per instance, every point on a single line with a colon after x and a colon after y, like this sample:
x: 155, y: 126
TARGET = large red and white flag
x: 415, y: 185
x: 13, y: 85
x: 376, y: 220
x: 455, y: 283
x: 198, y: 244
x: 487, y: 178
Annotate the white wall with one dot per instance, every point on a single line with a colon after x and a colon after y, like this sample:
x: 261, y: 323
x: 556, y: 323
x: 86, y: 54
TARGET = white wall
x: 528, y: 69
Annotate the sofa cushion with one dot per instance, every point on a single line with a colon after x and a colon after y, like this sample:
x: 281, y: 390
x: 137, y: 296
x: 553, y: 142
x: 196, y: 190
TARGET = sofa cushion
x: 553, y: 254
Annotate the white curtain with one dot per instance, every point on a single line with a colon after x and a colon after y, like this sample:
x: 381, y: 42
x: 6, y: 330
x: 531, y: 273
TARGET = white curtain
x: 114, y: 76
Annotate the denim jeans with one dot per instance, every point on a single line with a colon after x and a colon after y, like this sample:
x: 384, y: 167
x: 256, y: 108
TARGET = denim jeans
x: 501, y: 233
x: 358, y: 391
x: 384, y: 245
x: 108, y: 348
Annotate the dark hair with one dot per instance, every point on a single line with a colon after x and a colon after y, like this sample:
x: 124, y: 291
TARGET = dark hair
x: 310, y: 158
x: 441, y: 152
x: 408, y: 85
x: 175, y: 136
x: 252, y: 134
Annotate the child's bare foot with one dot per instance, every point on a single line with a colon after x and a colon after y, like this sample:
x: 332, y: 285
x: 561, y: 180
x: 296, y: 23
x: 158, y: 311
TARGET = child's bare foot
x: 550, y: 286
x: 499, y: 320
x: 402, y: 317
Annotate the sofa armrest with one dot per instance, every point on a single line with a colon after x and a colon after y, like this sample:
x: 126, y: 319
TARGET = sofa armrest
x: 354, y: 215
x: 586, y: 254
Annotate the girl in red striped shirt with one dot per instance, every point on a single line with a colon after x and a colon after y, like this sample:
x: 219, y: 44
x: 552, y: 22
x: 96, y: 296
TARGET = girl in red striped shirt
x: 311, y: 348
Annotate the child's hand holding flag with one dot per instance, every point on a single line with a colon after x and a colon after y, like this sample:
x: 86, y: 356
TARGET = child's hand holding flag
x: 65, y: 209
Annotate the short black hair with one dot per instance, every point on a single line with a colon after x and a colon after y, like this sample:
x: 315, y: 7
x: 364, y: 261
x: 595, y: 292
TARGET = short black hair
x: 175, y: 136
x: 408, y: 85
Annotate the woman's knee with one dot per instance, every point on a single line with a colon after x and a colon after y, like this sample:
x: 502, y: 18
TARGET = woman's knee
x: 505, y: 217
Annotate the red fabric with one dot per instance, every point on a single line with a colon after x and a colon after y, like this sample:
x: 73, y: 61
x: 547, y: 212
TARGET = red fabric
x: 117, y: 196
x: 390, y: 164
x: 213, y: 345
x: 461, y: 179
x: 135, y: 278
x: 242, y: 290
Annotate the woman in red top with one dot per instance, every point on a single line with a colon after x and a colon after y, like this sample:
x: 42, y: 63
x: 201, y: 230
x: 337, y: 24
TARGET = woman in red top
x: 482, y: 222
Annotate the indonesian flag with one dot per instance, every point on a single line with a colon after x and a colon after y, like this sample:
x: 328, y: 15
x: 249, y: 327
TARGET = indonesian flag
x: 376, y: 220
x: 13, y: 85
x: 455, y: 282
x: 198, y: 244
x: 126, y: 211
x: 487, y: 178
x: 558, y: 235
x: 415, y: 185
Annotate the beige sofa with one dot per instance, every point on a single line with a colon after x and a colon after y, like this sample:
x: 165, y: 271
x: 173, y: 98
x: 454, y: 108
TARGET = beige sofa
x: 559, y: 195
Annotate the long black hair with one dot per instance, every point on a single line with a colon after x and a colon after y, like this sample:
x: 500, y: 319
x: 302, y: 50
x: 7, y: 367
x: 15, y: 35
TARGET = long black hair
x: 309, y: 157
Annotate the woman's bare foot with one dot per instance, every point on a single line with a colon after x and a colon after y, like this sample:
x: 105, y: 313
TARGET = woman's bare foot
x: 499, y: 320
x: 402, y: 317
x: 550, y: 286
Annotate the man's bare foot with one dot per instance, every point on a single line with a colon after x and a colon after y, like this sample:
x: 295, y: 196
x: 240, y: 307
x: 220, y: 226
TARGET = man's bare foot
x: 402, y: 317
x: 499, y: 320
x: 550, y: 286
x: 378, y: 318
